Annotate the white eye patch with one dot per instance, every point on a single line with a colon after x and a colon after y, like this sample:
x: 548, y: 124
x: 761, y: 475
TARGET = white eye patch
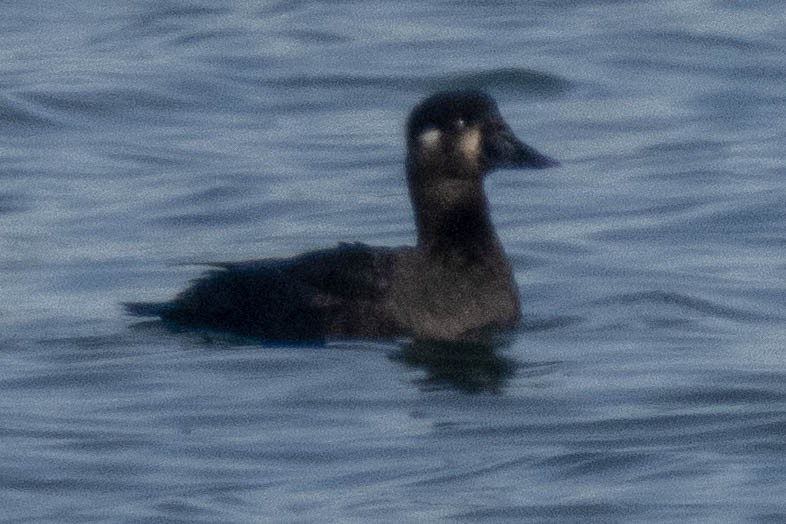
x: 470, y: 144
x: 430, y: 138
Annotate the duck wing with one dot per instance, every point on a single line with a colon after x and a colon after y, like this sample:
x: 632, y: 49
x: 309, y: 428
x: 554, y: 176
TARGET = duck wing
x: 340, y: 292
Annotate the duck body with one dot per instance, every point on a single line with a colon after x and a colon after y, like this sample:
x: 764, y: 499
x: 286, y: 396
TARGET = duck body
x: 455, y: 283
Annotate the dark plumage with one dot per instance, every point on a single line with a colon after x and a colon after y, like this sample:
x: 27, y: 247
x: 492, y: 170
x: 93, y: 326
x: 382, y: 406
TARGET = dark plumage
x: 455, y: 284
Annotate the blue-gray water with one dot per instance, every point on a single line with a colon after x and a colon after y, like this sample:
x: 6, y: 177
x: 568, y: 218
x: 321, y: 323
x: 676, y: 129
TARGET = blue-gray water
x: 648, y: 380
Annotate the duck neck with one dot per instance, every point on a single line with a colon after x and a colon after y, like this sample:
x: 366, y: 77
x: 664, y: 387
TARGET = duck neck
x: 453, y: 222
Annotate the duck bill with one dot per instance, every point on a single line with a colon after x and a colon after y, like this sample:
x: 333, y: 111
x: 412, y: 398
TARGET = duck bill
x: 505, y: 151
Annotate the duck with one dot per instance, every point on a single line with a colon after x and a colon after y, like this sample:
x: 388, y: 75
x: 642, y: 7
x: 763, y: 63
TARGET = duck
x: 452, y: 285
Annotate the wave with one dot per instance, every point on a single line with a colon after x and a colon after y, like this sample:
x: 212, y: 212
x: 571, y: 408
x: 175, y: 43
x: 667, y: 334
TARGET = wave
x: 687, y: 303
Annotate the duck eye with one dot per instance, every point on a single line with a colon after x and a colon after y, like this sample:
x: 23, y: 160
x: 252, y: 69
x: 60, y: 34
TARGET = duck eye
x: 460, y: 123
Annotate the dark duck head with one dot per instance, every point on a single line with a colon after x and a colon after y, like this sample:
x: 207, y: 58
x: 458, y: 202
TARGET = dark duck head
x: 453, y: 140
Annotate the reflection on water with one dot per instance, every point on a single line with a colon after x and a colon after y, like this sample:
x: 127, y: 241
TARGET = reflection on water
x: 467, y: 367
x: 481, y: 366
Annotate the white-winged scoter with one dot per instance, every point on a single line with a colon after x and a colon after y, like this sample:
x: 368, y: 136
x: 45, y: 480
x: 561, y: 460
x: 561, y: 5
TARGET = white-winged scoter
x: 456, y: 282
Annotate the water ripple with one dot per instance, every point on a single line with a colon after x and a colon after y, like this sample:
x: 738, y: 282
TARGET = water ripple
x: 698, y: 305
x: 19, y: 115
x: 12, y: 203
x: 506, y: 79
x: 575, y: 512
x: 115, y: 102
